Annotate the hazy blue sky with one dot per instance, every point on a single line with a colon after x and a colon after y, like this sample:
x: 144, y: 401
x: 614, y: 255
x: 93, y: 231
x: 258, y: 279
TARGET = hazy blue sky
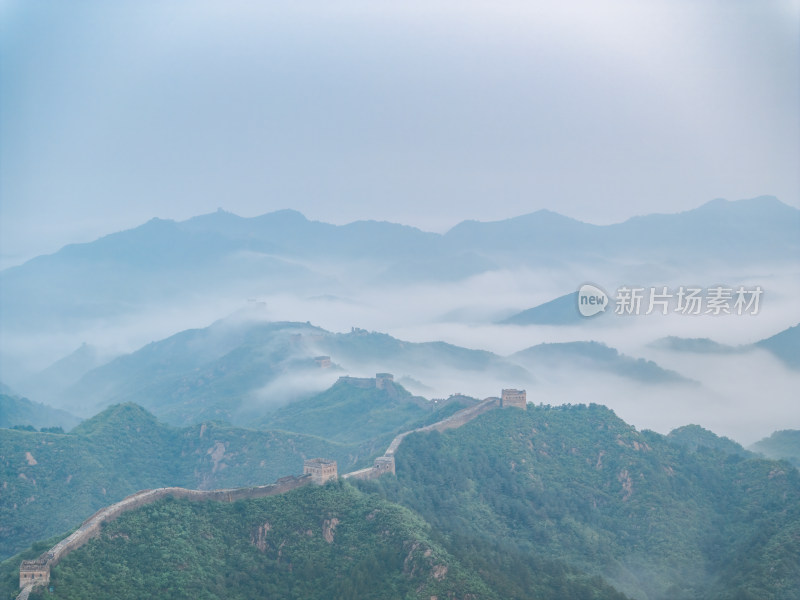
x: 428, y: 113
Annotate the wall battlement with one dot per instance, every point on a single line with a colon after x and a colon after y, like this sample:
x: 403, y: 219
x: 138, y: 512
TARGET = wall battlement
x: 359, y: 382
x: 386, y: 464
x: 381, y: 381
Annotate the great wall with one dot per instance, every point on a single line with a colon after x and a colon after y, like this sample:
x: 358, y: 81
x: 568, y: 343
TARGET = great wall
x: 385, y: 464
x: 36, y: 572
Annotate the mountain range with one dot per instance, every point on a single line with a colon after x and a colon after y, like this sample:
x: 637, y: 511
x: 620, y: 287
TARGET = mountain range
x: 241, y: 369
x: 161, y: 260
x: 596, y: 356
x: 784, y: 345
x: 551, y: 502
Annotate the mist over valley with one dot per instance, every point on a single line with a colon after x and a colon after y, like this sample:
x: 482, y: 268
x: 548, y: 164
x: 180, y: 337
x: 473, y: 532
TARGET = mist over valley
x: 369, y: 301
x: 129, y: 317
x: 228, y: 353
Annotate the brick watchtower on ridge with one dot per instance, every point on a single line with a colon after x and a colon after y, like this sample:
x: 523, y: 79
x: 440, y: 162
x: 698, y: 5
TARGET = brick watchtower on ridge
x: 320, y: 469
x: 34, y: 572
x: 512, y: 397
x: 381, y: 379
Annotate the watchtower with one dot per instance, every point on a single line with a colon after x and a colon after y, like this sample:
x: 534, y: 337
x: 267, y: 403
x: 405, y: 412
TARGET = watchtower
x: 323, y: 362
x: 320, y: 469
x: 381, y: 379
x: 384, y: 464
x: 34, y: 572
x: 512, y: 397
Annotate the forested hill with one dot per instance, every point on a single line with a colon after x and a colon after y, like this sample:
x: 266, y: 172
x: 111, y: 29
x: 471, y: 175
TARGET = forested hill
x: 577, y: 487
x: 51, y: 482
x: 331, y: 542
x: 552, y: 502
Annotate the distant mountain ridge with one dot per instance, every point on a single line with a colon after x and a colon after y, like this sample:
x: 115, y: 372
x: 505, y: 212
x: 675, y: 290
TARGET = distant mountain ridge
x: 599, y: 357
x: 784, y: 345
x: 244, y: 370
x: 559, y: 311
x: 288, y: 232
x: 164, y: 259
x: 21, y: 411
x: 784, y: 444
x: 694, y: 345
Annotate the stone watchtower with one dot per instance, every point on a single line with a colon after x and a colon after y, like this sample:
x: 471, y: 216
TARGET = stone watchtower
x: 384, y: 464
x: 512, y: 397
x: 36, y: 572
x: 323, y: 362
x: 320, y: 469
x: 381, y: 379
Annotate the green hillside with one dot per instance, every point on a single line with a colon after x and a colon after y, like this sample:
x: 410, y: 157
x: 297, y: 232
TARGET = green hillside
x: 783, y: 444
x: 578, y: 486
x: 16, y: 411
x: 125, y: 449
x: 351, y: 413
x: 331, y: 542
x: 552, y: 502
x: 52, y: 482
x: 694, y: 437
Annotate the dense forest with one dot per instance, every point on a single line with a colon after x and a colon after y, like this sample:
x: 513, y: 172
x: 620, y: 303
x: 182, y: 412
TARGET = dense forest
x: 312, y: 543
x: 576, y: 485
x: 552, y: 502
x: 125, y: 449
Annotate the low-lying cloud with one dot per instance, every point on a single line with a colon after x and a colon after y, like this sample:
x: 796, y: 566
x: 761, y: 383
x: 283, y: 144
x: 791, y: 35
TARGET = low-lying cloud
x: 744, y: 396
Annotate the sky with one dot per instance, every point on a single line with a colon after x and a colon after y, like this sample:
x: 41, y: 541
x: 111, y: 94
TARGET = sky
x: 425, y: 113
